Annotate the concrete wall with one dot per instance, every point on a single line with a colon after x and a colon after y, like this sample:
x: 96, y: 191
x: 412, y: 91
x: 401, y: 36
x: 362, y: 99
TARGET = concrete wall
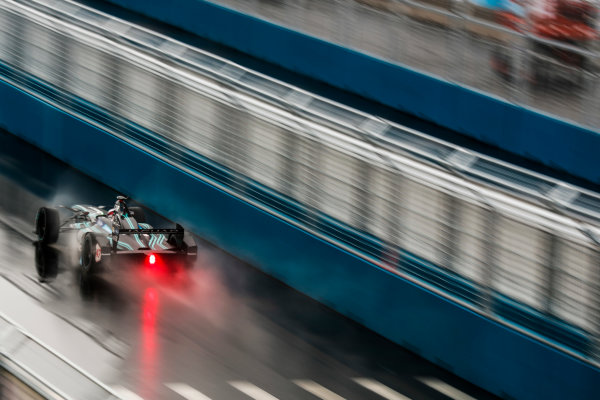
x: 547, y: 140
x: 478, y: 349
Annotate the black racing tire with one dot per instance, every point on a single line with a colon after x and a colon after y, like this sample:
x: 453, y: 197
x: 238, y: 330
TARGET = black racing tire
x: 46, y: 262
x: 138, y: 214
x: 47, y: 223
x: 175, y: 240
x: 191, y: 252
x: 89, y: 265
x: 190, y: 261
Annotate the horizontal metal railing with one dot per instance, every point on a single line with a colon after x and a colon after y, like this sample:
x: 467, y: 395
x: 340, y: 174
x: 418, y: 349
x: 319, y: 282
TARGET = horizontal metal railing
x: 396, y: 202
x: 375, y: 130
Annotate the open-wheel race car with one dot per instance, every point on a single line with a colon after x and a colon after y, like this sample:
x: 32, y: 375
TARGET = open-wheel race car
x: 121, y: 233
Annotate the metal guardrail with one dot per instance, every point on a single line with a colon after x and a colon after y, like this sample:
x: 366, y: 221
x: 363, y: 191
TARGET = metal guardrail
x: 574, y: 201
x: 393, y: 200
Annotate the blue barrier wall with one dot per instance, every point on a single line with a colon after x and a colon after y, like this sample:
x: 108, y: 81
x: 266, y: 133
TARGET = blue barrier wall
x: 478, y: 349
x: 547, y: 140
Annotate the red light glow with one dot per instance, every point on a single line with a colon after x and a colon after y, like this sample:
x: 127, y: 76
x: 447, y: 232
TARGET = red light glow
x: 149, y: 351
x: 152, y: 259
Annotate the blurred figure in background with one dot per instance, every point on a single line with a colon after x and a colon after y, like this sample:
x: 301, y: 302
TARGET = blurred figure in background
x: 569, y: 22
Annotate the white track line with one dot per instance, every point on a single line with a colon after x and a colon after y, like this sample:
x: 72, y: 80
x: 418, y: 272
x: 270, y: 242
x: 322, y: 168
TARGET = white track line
x: 125, y: 394
x: 317, y: 390
x: 252, y: 390
x: 445, y: 388
x: 380, y: 389
x: 186, y: 391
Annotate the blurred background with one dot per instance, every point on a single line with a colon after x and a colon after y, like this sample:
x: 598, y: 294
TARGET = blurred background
x: 541, y: 54
x: 391, y: 199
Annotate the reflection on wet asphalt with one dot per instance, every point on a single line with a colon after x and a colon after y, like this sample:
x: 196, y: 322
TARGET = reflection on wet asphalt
x: 221, y: 329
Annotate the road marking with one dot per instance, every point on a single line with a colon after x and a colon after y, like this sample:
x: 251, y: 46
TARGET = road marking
x: 252, y: 390
x: 317, y: 390
x: 186, y: 391
x: 125, y: 394
x: 380, y: 389
x: 445, y: 388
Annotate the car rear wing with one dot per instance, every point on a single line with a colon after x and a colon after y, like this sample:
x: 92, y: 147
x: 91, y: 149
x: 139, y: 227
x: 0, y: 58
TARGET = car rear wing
x: 177, y: 233
x: 149, y: 231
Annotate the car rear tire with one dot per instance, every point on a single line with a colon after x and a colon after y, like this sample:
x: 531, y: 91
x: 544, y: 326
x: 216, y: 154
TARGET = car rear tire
x: 89, y: 265
x: 190, y: 261
x: 46, y: 262
x: 47, y: 223
x: 138, y: 214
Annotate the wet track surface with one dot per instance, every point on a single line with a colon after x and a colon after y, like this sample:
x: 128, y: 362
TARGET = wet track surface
x: 223, y: 328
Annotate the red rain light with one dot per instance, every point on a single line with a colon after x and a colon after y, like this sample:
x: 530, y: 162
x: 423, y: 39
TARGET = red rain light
x: 152, y: 259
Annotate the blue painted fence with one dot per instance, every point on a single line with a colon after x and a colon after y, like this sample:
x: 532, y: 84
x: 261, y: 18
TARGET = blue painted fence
x: 543, y: 139
x: 482, y: 351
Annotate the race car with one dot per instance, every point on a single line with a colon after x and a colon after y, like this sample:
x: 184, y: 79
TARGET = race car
x: 120, y: 233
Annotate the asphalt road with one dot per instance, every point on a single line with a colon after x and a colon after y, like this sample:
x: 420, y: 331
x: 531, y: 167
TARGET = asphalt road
x: 223, y: 329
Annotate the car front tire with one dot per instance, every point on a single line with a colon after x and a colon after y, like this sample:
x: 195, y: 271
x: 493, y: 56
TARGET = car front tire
x: 47, y: 223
